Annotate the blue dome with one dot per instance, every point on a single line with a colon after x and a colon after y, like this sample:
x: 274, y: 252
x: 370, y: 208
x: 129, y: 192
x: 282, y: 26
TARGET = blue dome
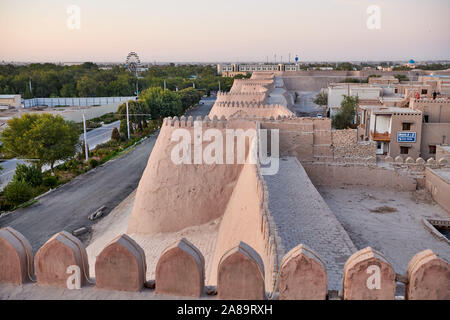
x: 412, y: 61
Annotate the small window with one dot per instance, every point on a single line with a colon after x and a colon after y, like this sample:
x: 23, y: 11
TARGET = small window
x: 404, y: 150
x: 432, y: 149
x: 406, y: 126
x: 425, y: 118
x: 424, y: 91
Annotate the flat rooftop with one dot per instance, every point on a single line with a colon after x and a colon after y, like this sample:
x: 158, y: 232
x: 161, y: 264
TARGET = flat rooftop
x: 390, y: 110
x: 443, y: 173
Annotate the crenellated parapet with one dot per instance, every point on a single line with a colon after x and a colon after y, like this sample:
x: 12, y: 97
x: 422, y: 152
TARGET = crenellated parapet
x: 189, y: 122
x: 121, y: 266
x: 249, y: 110
x: 418, y: 164
x: 431, y: 101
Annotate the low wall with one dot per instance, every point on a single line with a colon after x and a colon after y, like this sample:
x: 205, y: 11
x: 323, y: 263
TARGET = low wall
x: 358, y: 175
x: 90, y: 113
x: 76, y: 102
x: 121, y: 266
x: 438, y: 186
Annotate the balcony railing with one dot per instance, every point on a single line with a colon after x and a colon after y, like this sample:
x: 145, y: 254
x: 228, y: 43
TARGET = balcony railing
x: 377, y: 136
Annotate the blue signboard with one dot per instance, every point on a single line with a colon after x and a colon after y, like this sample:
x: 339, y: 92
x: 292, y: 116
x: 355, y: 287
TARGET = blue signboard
x: 406, y: 137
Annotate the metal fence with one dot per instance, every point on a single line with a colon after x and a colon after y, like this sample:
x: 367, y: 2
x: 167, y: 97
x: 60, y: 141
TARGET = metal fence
x: 73, y: 102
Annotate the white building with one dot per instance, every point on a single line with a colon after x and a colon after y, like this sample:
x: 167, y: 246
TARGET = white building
x: 337, y: 91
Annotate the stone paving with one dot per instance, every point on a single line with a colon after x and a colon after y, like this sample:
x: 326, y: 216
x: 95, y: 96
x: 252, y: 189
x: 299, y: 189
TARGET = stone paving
x: 302, y: 216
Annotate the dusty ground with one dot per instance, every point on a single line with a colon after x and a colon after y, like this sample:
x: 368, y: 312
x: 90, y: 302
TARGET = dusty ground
x: 203, y: 237
x: 388, y: 221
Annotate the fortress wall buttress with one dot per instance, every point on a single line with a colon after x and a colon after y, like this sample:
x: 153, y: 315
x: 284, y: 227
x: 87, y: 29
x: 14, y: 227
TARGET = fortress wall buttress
x: 171, y: 197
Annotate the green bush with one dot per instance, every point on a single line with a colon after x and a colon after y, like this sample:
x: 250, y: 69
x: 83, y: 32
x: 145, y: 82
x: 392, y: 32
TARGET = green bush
x: 17, y: 192
x: 93, y: 163
x: 50, y: 181
x: 70, y: 165
x: 32, y: 175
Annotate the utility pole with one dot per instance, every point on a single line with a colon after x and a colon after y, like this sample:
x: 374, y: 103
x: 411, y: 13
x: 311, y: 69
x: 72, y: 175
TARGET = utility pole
x: 164, y: 85
x: 137, y: 84
x: 86, y: 150
x: 128, y: 123
x: 219, y: 86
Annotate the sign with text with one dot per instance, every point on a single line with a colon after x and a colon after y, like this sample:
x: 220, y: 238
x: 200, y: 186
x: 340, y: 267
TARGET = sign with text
x: 406, y: 137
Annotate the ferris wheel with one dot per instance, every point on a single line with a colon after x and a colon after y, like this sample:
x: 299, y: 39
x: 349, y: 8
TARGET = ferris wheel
x: 132, y: 62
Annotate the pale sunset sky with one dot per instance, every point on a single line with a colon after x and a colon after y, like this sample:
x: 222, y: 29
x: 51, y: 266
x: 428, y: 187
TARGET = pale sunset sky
x: 223, y: 31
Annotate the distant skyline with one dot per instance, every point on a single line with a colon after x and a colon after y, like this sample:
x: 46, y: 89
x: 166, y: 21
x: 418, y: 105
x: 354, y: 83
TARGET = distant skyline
x: 225, y: 31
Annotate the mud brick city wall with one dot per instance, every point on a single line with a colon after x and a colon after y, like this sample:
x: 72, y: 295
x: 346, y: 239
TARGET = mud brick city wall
x: 347, y: 148
x: 307, y: 139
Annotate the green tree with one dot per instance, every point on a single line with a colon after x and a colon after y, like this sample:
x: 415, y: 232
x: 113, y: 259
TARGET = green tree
x: 17, y: 192
x: 321, y: 98
x: 86, y: 86
x: 68, y: 90
x: 189, y: 97
x: 44, y: 137
x: 344, y: 118
x: 401, y: 77
x: 161, y: 103
x: 32, y: 175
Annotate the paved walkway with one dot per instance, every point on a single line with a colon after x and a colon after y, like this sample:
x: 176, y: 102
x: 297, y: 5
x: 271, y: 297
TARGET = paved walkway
x: 302, y: 216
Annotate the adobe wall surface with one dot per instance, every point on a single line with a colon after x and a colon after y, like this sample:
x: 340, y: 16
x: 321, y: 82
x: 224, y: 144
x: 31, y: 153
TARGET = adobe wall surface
x: 438, y: 110
x: 244, y: 97
x: 311, y: 139
x: 433, y: 134
x: 305, y: 138
x: 347, y: 148
x: 437, y: 182
x: 246, y: 219
x: 374, y: 176
x: 443, y: 151
x: 309, y: 83
x: 171, y: 197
